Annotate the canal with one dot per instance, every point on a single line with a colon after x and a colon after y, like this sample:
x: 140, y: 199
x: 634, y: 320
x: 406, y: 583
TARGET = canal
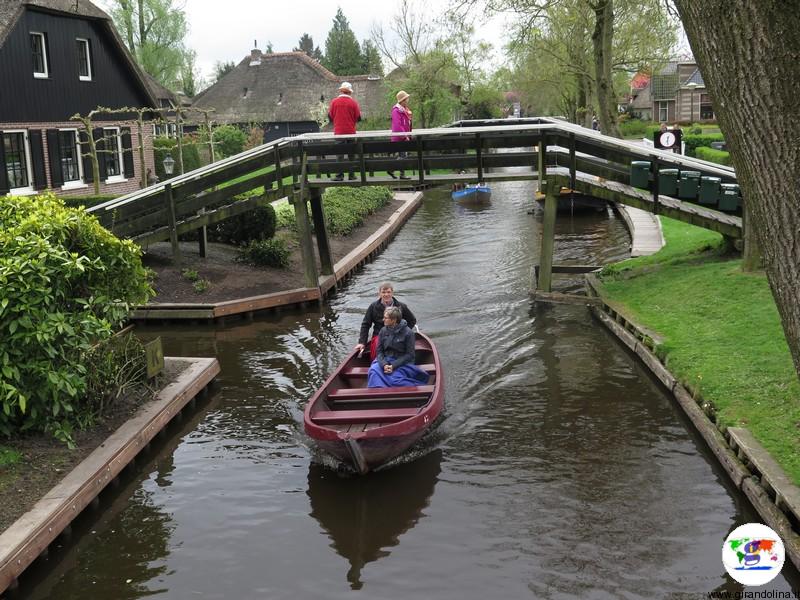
x: 561, y: 470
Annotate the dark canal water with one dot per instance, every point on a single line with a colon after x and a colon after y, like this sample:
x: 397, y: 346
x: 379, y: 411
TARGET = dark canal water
x: 562, y: 470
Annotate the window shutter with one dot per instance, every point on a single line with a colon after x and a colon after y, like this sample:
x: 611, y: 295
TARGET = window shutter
x: 37, y: 158
x: 54, y: 152
x: 3, y: 176
x: 127, y: 152
x: 100, y: 144
x: 88, y: 174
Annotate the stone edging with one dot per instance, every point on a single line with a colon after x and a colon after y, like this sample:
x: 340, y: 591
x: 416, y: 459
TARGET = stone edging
x: 364, y: 252
x: 749, y: 466
x: 31, y: 534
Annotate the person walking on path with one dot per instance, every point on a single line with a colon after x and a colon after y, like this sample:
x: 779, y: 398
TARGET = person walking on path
x: 401, y: 123
x: 344, y: 112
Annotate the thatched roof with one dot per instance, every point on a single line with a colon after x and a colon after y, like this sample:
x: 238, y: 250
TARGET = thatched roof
x: 11, y: 10
x: 285, y: 87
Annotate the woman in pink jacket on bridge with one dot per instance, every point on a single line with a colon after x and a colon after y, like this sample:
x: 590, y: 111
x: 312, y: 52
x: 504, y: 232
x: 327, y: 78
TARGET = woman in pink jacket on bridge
x: 401, y: 123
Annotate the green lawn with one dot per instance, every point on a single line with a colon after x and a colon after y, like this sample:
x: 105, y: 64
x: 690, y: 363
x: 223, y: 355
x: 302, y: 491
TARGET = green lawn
x: 721, y: 331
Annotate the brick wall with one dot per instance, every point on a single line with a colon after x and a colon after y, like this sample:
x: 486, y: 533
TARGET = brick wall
x: 117, y: 188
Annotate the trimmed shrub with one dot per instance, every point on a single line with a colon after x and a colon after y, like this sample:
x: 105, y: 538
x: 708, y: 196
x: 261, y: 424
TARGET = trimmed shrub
x: 67, y: 285
x: 228, y: 140
x: 166, y: 145
x: 633, y: 127
x: 695, y: 141
x: 86, y: 201
x: 285, y: 216
x: 345, y: 208
x: 710, y: 154
x: 266, y: 253
x: 240, y: 230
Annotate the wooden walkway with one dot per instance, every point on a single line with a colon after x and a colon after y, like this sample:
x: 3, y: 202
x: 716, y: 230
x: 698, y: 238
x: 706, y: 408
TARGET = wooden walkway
x: 646, y: 235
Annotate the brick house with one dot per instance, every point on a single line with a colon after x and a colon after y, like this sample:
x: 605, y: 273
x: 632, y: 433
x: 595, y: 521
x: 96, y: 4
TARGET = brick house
x: 283, y: 92
x: 62, y: 57
x: 678, y: 94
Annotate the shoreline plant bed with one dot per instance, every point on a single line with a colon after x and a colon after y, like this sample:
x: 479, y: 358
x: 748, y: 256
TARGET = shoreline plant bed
x: 722, y: 334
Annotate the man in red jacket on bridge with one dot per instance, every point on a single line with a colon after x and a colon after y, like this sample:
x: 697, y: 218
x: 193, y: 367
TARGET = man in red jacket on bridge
x: 344, y: 113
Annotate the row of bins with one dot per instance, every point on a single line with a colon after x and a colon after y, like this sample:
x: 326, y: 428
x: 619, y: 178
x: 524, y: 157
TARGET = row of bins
x: 689, y: 185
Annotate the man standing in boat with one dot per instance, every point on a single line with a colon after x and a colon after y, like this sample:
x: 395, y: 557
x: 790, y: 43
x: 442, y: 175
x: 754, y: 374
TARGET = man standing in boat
x: 374, y: 317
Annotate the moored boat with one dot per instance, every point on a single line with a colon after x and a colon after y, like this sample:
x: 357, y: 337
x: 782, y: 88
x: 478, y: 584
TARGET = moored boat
x: 367, y: 427
x: 478, y: 194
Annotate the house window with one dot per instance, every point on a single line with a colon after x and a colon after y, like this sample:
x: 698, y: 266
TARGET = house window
x: 18, y: 161
x: 39, y: 53
x: 84, y: 60
x: 113, y: 146
x: 69, y: 153
x: 663, y: 113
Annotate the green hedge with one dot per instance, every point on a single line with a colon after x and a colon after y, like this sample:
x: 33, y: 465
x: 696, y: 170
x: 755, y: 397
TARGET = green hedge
x: 165, y: 145
x: 266, y: 253
x: 67, y: 284
x: 345, y: 208
x: 710, y: 154
x: 86, y: 201
x: 240, y: 230
x: 695, y: 141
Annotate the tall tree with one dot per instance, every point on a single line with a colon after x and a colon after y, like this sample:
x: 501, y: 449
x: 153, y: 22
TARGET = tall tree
x: 371, y: 59
x: 306, y: 44
x: 342, y: 52
x: 154, y: 31
x: 223, y: 68
x: 747, y: 52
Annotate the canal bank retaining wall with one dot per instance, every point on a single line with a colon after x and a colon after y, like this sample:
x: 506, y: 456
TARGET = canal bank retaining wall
x: 749, y: 466
x: 246, y: 307
x: 31, y: 534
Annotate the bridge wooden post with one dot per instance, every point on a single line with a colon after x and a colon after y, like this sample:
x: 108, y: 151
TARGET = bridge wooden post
x: 548, y: 238
x: 304, y: 229
x: 542, y: 165
x: 479, y: 156
x: 321, y: 231
x: 420, y: 162
x: 173, y: 224
x: 573, y: 164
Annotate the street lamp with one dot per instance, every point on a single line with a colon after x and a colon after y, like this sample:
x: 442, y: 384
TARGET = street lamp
x: 169, y: 164
x: 692, y: 86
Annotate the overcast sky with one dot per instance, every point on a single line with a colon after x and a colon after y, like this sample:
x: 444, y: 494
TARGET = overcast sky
x: 224, y: 30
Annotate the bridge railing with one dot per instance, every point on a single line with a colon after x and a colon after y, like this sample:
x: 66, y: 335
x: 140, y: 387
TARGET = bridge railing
x: 467, y: 151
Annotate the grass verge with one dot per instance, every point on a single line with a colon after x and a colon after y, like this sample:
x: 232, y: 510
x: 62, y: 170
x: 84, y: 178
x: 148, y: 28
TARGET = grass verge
x: 722, y: 334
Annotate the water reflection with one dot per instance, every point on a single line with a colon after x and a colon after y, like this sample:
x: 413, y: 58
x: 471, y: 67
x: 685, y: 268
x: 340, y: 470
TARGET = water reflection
x: 365, y: 516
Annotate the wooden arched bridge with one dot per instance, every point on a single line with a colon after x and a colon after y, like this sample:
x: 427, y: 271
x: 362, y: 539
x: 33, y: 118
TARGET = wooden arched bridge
x: 555, y: 153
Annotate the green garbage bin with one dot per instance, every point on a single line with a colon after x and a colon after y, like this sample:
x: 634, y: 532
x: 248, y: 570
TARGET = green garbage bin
x: 668, y: 182
x: 729, y: 197
x: 709, y: 190
x: 640, y: 173
x: 689, y: 185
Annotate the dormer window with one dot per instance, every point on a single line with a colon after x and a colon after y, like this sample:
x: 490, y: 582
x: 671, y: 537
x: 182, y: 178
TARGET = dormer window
x: 280, y: 98
x: 84, y: 60
x: 322, y: 97
x: 39, y: 54
x: 244, y: 92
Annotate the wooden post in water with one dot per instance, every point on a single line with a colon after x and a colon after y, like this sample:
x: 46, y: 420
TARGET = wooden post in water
x: 542, y: 166
x: 304, y: 229
x: 173, y: 226
x: 548, y: 238
x: 321, y: 231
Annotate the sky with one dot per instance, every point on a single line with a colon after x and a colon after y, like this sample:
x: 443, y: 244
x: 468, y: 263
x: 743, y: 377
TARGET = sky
x: 224, y: 30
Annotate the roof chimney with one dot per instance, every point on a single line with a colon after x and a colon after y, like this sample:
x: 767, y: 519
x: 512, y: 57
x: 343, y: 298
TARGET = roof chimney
x: 255, y: 55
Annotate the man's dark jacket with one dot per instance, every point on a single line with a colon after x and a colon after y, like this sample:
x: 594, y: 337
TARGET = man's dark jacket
x: 374, y: 317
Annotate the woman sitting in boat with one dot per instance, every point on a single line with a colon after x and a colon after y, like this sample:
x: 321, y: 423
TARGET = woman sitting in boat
x: 374, y: 317
x: 394, y: 365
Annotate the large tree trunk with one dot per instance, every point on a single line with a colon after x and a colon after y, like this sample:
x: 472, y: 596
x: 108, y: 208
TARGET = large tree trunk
x: 602, y: 37
x: 749, y: 54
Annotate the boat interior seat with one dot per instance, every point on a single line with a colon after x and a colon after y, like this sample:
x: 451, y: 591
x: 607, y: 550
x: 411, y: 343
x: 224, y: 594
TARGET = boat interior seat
x: 386, y: 415
x: 363, y: 371
x: 411, y: 391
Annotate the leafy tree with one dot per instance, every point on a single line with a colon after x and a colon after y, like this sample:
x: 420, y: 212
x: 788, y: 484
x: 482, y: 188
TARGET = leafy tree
x: 190, y: 74
x: 229, y: 140
x: 306, y: 44
x: 154, y: 31
x: 736, y: 41
x: 371, y: 59
x: 342, y: 52
x: 223, y: 68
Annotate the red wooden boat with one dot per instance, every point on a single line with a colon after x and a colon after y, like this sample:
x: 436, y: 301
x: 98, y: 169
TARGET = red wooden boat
x: 367, y: 427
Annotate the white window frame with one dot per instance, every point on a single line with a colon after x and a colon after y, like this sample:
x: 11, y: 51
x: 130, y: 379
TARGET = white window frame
x: 27, y: 190
x: 80, y: 182
x: 46, y: 73
x: 663, y: 105
x: 88, y: 60
x: 121, y: 177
